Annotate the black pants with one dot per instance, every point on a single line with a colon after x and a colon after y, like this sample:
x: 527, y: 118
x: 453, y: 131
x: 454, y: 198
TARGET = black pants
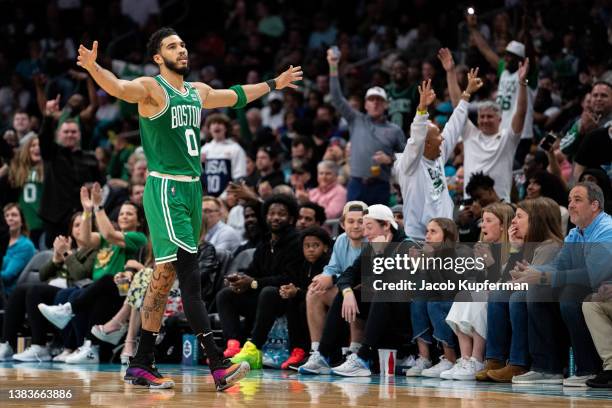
x: 231, y: 306
x: 383, y: 317
x: 549, y: 324
x: 100, y: 300
x: 270, y: 305
x: 336, y: 329
x: 24, y: 300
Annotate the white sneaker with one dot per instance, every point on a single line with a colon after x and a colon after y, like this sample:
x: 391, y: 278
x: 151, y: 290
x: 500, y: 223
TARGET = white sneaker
x: 420, y: 365
x: 536, y: 377
x: 352, y: 367
x: 434, y: 372
x: 6, y: 352
x: 577, y: 381
x: 448, y: 374
x: 316, y: 364
x: 86, y: 354
x: 467, y: 371
x: 61, y: 358
x: 34, y: 353
x: 409, y: 361
x: 58, y: 315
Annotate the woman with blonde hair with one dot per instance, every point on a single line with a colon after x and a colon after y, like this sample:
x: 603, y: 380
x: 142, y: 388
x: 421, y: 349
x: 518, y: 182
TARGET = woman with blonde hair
x: 26, y: 176
x: 469, y: 319
x: 535, y: 236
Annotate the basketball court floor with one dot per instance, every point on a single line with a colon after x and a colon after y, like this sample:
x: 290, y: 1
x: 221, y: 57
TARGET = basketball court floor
x: 102, y: 385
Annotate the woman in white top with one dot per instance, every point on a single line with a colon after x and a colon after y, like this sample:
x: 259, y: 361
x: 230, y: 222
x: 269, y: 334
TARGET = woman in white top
x: 469, y: 319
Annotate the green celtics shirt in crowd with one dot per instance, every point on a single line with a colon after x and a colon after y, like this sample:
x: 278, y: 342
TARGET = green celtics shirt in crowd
x: 171, y: 138
x: 403, y: 102
x: 29, y: 200
x: 111, y: 259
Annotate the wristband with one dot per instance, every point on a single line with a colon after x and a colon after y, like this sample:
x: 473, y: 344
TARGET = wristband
x: 422, y: 112
x: 242, y: 99
x: 271, y: 84
x: 333, y: 69
x: 345, y: 291
x: 86, y: 215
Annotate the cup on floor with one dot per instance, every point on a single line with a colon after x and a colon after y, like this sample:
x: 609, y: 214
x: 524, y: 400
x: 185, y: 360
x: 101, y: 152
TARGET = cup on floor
x: 386, y: 358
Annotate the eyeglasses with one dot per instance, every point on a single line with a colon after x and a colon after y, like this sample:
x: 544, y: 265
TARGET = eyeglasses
x: 209, y: 210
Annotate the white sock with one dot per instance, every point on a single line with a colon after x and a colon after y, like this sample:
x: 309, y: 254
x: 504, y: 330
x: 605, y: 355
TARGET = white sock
x: 314, y: 346
x: 354, y: 347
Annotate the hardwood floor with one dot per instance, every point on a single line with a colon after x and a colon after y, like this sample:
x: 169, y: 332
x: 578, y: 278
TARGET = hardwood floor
x: 103, y: 386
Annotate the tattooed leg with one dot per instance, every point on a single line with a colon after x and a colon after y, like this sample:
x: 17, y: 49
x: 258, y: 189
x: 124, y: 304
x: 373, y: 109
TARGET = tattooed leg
x: 156, y: 297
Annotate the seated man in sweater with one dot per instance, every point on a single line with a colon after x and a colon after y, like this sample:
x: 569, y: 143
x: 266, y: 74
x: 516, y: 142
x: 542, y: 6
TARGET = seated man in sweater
x: 420, y: 169
x: 579, y: 269
x: 276, y: 256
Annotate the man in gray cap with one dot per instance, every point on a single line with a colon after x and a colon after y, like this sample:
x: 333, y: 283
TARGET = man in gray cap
x: 374, y: 140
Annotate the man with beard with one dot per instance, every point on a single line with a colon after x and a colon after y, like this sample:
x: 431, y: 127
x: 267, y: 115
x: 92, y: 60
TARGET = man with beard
x: 169, y: 114
x: 254, y: 226
x: 276, y: 257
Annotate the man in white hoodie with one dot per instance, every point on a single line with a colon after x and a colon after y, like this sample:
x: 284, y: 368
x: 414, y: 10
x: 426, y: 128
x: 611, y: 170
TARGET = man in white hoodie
x: 420, y: 169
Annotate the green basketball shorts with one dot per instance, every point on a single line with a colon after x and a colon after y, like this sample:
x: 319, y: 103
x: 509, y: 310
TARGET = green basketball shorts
x: 174, y: 215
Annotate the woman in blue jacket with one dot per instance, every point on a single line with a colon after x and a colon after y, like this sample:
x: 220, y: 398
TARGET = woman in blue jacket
x: 20, y: 249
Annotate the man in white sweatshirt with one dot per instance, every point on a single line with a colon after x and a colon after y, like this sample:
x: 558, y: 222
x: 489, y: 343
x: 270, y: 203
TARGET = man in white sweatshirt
x: 420, y: 169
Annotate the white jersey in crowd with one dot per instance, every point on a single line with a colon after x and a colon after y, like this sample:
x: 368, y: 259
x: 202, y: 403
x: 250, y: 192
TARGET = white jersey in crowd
x: 493, y: 155
x: 507, y: 98
x: 421, y: 180
x: 223, y: 162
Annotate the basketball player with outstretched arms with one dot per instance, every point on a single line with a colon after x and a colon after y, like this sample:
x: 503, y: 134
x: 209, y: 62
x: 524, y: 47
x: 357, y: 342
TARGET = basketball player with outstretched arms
x: 169, y: 114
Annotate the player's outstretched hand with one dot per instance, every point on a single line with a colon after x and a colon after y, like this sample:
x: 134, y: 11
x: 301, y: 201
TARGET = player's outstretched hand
x: 287, y: 78
x: 87, y: 57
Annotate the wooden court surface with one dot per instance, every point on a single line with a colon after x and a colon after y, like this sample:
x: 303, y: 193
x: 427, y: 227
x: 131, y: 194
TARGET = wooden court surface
x: 103, y: 386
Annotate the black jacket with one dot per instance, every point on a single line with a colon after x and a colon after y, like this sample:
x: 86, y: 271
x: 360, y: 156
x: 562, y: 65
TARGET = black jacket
x: 65, y: 172
x: 351, y: 277
x: 303, y: 276
x: 274, y: 265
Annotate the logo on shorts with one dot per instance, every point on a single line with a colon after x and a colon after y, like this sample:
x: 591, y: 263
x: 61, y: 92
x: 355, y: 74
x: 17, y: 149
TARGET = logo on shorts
x: 173, y: 191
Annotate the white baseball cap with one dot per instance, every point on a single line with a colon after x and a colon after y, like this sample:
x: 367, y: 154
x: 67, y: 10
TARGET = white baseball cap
x: 376, y: 91
x: 381, y: 213
x: 275, y: 96
x: 516, y: 48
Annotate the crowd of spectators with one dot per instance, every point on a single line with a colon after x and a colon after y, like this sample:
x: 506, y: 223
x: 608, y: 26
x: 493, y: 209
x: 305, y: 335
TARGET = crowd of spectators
x: 415, y: 121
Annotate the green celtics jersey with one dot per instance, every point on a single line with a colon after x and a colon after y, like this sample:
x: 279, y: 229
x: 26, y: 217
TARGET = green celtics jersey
x: 171, y: 138
x: 29, y: 200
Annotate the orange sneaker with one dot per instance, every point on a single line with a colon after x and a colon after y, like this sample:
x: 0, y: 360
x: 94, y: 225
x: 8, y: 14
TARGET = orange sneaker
x: 297, y: 358
x: 233, y: 348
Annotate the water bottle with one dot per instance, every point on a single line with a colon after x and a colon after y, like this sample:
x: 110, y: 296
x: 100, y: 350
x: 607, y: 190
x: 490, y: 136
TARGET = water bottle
x: 572, y: 364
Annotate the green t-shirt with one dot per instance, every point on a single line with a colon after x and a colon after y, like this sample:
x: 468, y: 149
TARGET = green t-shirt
x: 29, y: 200
x: 403, y: 102
x: 111, y: 259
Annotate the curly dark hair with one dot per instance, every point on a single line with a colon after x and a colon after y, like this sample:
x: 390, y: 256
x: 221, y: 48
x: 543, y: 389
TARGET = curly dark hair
x: 320, y: 216
x: 479, y: 180
x: 155, y: 40
x: 288, y: 202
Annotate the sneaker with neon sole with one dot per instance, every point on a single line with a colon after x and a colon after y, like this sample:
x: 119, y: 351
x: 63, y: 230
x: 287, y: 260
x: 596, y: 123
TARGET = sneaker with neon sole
x: 228, y: 373
x: 146, y: 376
x: 250, y: 354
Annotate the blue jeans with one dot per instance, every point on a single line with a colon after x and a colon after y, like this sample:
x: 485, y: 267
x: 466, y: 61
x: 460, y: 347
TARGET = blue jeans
x: 428, y: 314
x: 507, y: 328
x: 376, y: 191
x: 549, y: 325
x: 73, y: 334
